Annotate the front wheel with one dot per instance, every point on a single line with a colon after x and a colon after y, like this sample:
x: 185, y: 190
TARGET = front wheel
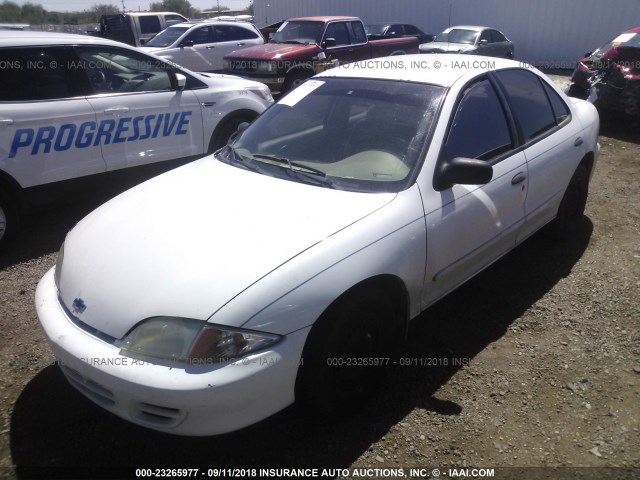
x: 223, y: 133
x: 8, y: 219
x: 348, y: 350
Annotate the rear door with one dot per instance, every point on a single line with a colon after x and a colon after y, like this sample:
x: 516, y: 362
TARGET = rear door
x: 229, y: 38
x: 552, y: 143
x: 140, y: 118
x: 45, y: 119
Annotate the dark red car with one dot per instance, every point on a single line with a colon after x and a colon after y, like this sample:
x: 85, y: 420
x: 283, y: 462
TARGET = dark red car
x: 610, y: 76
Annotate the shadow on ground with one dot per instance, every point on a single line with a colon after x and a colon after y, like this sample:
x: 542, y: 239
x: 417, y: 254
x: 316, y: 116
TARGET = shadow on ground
x: 53, y: 426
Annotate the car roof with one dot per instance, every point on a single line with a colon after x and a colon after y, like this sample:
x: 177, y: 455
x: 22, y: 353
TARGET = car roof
x: 322, y: 19
x: 468, y: 27
x: 633, y: 30
x: 421, y: 68
x: 207, y: 21
x: 14, y: 38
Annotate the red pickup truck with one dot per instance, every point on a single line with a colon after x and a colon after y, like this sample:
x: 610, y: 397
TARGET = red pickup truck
x: 301, y: 44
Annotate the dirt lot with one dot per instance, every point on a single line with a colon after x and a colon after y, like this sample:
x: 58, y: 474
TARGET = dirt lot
x: 534, y: 363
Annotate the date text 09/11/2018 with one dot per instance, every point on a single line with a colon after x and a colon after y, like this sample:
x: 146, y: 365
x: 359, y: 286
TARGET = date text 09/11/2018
x: 402, y: 361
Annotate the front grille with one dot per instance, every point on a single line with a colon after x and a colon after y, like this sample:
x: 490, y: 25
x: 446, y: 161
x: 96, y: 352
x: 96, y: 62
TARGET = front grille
x: 91, y: 389
x: 158, y: 415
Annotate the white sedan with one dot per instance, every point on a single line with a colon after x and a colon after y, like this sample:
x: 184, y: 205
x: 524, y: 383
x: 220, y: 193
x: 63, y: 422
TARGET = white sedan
x: 287, y: 266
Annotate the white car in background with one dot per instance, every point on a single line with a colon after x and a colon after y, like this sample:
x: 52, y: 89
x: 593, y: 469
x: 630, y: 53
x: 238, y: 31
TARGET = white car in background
x: 200, y: 45
x: 287, y: 266
x: 75, y: 107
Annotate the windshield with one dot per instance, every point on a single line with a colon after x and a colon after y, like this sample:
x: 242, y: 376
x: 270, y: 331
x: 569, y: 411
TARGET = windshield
x: 457, y: 35
x: 351, y: 134
x: 298, y: 32
x: 166, y: 37
x: 375, y: 29
x: 622, y: 40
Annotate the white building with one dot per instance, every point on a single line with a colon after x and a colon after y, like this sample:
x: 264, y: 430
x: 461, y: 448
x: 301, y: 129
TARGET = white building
x: 555, y: 32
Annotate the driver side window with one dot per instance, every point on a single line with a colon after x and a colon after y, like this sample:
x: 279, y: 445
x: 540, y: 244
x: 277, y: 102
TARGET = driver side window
x: 479, y: 129
x: 338, y: 30
x: 115, y: 70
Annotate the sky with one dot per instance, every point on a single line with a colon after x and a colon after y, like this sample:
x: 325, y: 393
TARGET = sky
x: 79, y: 5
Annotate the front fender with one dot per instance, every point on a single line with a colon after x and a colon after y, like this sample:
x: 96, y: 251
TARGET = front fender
x: 390, y: 241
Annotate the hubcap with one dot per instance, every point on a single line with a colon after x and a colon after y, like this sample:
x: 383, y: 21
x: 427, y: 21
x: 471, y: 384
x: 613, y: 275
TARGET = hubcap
x: 3, y: 223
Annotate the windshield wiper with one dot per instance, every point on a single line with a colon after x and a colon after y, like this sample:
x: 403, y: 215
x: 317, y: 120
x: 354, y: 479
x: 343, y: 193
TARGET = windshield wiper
x: 240, y: 160
x: 298, y: 169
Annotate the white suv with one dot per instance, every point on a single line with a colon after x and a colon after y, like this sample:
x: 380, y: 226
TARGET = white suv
x: 201, y: 45
x: 73, y: 106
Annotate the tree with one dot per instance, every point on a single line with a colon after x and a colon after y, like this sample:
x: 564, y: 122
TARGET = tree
x: 178, y: 6
x: 249, y: 9
x: 94, y: 13
x: 10, y: 12
x: 33, y: 14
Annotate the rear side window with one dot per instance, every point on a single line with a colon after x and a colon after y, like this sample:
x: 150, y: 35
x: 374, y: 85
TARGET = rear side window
x: 231, y: 33
x: 359, y: 34
x: 560, y: 109
x: 529, y: 101
x: 479, y: 129
x: 37, y: 73
x: 149, y: 24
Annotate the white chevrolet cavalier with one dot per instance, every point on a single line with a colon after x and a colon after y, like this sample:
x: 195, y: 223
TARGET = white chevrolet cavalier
x: 286, y: 266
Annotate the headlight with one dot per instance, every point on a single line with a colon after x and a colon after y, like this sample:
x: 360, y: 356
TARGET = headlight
x: 192, y: 341
x: 263, y: 92
x: 58, y: 271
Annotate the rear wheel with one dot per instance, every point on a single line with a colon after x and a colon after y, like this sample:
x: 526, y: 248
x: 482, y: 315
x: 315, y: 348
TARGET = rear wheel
x: 573, y: 203
x: 348, y: 350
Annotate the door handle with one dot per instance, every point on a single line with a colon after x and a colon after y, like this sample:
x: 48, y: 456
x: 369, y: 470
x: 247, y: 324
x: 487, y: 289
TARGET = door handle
x: 518, y: 178
x: 6, y: 121
x: 209, y: 47
x: 241, y: 44
x: 578, y: 142
x: 116, y: 110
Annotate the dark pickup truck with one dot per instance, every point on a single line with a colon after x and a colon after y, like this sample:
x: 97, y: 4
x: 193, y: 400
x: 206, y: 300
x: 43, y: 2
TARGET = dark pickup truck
x: 301, y: 45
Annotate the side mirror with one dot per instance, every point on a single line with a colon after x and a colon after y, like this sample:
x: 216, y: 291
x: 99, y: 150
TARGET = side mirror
x: 464, y: 171
x: 186, y: 43
x: 328, y: 43
x: 483, y: 42
x: 242, y: 126
x: 178, y: 81
x: 588, y: 54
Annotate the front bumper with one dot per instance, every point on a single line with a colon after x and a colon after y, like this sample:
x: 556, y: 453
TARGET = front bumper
x: 191, y: 400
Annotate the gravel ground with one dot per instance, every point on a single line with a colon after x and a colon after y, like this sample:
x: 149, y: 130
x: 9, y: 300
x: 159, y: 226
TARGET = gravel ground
x: 534, y: 363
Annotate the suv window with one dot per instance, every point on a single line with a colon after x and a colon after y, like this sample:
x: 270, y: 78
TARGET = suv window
x: 530, y: 103
x: 37, y: 73
x: 338, y: 30
x: 116, y: 70
x: 149, y: 24
x: 479, y: 129
x: 231, y: 33
x: 200, y: 35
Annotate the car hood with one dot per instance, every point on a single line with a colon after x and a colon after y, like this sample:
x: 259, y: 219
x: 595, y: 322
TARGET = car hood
x: 445, y: 47
x: 275, y: 51
x: 187, y: 242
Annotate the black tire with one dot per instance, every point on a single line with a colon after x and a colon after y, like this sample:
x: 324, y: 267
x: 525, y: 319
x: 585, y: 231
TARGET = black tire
x: 573, y: 203
x: 338, y: 373
x: 222, y: 134
x: 8, y: 219
x: 294, y: 79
